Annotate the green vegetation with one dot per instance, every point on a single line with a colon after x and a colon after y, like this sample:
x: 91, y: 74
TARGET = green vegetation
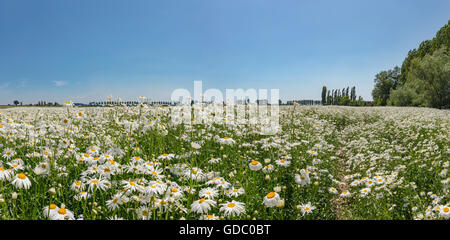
x: 424, y: 78
x: 341, y: 97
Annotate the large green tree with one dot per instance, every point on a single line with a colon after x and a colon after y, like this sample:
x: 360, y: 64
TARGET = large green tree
x: 427, y: 83
x: 430, y: 77
x: 442, y: 39
x: 385, y: 81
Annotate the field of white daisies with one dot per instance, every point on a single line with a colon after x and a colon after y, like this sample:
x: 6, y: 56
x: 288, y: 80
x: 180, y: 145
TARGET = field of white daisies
x: 133, y: 163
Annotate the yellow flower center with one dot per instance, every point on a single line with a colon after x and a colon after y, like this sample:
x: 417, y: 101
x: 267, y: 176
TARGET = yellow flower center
x: 62, y: 211
x: 231, y: 205
x: 271, y: 195
x: 22, y: 176
x: 254, y: 162
x: 52, y: 206
x: 201, y: 200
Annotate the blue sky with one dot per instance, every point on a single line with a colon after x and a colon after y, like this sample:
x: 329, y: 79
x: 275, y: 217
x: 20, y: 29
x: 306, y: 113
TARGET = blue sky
x: 86, y: 50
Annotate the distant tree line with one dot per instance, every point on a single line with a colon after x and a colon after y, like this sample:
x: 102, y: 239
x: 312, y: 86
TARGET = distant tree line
x: 44, y: 103
x: 345, y: 97
x: 423, y: 79
x: 39, y: 103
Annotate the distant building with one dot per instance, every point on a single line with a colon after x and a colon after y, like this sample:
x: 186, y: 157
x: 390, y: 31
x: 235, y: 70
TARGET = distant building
x: 262, y: 102
x: 131, y: 103
x: 304, y: 102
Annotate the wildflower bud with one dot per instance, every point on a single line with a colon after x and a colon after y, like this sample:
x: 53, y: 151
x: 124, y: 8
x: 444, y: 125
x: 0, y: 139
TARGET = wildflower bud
x: 316, y: 183
x: 254, y: 218
x: 94, y: 211
x: 255, y: 212
x: 95, y: 204
x: 277, y: 189
x: 2, y: 200
x: 52, y: 191
x: 267, y: 177
x: 298, y: 207
x: 171, y: 217
x: 14, y: 196
x: 182, y: 218
x: 267, y: 160
x: 221, y: 218
x: 280, y: 203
